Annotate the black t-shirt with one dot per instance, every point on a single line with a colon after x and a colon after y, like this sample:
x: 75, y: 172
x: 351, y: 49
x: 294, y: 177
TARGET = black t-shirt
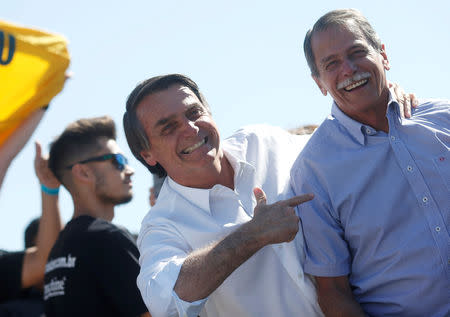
x: 92, y: 271
x: 10, y: 275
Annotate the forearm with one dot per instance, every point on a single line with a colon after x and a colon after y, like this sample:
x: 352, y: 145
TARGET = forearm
x: 336, y: 299
x: 17, y: 140
x: 204, y: 270
x: 49, y: 228
x: 3, y: 168
x: 14, y: 144
x: 340, y: 306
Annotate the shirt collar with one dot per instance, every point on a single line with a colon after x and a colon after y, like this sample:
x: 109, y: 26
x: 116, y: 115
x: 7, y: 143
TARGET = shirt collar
x: 357, y: 129
x: 197, y: 196
x: 200, y: 197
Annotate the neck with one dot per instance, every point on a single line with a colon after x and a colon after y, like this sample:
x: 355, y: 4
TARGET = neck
x: 375, y: 119
x: 93, y: 208
x: 374, y: 114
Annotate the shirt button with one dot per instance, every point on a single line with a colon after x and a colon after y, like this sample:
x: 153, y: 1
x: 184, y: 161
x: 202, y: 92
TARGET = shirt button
x: 425, y: 199
x: 368, y: 131
x: 393, y: 138
x: 442, y: 159
x: 438, y: 228
x: 409, y: 168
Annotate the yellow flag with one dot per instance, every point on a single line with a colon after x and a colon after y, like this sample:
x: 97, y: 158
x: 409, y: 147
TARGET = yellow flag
x: 32, y: 72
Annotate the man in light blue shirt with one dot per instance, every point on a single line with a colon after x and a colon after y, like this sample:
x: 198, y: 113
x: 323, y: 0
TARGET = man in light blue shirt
x: 377, y: 232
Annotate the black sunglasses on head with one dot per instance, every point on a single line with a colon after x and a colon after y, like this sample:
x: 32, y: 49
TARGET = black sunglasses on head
x: 119, y: 160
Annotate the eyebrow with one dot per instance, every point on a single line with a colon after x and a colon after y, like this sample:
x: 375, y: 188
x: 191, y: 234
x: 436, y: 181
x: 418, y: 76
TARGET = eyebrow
x: 326, y: 59
x: 163, y: 121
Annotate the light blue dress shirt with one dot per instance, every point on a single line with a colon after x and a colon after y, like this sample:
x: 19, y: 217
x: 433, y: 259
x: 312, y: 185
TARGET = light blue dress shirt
x: 381, y: 210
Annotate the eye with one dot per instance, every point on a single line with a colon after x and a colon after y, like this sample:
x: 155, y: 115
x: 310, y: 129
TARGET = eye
x: 168, y: 128
x: 359, y: 52
x: 195, y: 112
x: 331, y: 65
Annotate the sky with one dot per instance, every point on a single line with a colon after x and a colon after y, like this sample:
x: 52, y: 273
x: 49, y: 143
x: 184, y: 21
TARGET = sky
x: 246, y: 56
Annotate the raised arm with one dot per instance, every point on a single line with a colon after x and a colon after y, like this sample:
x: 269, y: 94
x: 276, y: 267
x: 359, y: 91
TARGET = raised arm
x: 204, y: 270
x: 335, y: 297
x: 49, y: 226
x: 14, y: 144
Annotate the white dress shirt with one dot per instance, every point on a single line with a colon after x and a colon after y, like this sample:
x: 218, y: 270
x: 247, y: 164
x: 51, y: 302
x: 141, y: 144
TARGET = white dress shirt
x: 271, y: 282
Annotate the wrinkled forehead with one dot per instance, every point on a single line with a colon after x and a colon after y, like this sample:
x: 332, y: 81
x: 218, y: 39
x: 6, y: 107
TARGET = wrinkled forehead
x: 336, y: 37
x: 348, y: 28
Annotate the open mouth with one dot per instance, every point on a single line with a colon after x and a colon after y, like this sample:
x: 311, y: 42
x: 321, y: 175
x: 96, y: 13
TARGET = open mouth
x: 357, y: 84
x: 195, y: 146
x: 356, y: 81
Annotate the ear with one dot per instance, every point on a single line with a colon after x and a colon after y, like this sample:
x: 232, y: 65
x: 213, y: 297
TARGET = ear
x: 319, y: 84
x: 148, y: 157
x: 82, y: 173
x: 385, y: 58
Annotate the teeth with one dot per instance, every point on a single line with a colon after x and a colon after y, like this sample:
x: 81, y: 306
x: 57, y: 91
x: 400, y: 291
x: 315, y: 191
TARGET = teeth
x: 195, y: 146
x: 356, y: 84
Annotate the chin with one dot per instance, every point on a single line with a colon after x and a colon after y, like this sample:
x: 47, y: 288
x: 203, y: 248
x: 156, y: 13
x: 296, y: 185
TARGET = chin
x: 125, y: 199
x: 117, y: 200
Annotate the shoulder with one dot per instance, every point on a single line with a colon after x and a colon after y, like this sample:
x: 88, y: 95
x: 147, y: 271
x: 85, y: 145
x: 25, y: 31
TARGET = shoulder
x: 259, y: 131
x: 434, y: 103
x: 264, y: 139
x: 323, y: 144
x: 168, y: 212
x: 91, y: 233
x: 11, y: 260
x: 323, y: 139
x: 105, y: 231
x: 432, y: 107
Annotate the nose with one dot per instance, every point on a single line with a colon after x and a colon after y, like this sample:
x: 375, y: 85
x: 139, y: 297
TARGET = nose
x: 349, y: 67
x: 129, y: 170
x: 189, y: 127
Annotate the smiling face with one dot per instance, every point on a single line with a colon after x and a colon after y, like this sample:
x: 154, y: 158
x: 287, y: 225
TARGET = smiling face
x: 351, y: 70
x: 183, y: 137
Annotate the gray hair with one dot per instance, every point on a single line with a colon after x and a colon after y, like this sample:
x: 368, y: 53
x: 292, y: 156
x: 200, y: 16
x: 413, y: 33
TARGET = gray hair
x: 136, y: 137
x: 351, y: 19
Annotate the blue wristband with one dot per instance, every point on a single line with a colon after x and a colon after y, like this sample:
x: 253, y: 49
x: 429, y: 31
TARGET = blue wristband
x: 50, y: 191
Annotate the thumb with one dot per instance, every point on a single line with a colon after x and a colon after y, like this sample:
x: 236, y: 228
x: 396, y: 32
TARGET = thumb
x: 38, y: 149
x: 260, y: 196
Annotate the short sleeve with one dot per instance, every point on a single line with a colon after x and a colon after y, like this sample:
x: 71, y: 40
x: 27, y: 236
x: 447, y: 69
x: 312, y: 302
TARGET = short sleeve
x: 10, y: 274
x: 117, y: 268
x: 326, y: 250
x: 163, y: 252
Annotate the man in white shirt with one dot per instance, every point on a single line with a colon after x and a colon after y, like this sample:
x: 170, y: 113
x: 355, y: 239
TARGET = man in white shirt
x: 210, y: 247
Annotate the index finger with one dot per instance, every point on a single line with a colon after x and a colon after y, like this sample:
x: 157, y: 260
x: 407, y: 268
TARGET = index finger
x: 297, y: 200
